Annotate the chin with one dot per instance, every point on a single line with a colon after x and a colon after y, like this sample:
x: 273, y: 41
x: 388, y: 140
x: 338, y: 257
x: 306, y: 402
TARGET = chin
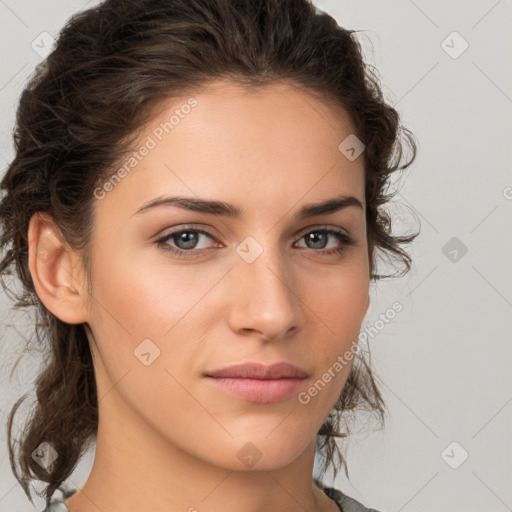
x: 262, y: 452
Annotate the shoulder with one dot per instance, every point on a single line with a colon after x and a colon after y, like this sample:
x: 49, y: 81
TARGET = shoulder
x: 56, y: 506
x: 346, y: 503
x: 59, y: 505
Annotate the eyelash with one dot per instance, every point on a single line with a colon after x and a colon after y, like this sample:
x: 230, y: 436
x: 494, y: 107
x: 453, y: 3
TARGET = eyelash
x: 182, y: 253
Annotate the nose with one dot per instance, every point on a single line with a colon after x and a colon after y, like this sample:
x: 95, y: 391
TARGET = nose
x: 265, y: 297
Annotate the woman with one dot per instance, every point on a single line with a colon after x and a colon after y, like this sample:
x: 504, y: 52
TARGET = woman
x: 194, y: 208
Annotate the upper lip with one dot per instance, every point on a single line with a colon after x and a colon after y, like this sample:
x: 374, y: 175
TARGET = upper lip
x: 281, y: 370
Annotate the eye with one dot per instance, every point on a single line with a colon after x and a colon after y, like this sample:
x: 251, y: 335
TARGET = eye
x: 186, y: 239
x: 319, y: 237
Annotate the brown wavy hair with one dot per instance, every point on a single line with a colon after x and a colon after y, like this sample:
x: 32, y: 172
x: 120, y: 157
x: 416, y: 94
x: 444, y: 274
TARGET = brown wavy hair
x: 80, y: 113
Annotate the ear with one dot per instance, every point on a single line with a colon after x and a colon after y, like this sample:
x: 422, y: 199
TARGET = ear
x: 56, y: 271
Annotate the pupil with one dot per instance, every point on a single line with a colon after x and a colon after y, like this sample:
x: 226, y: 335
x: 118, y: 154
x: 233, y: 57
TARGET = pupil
x: 314, y: 236
x: 189, y: 239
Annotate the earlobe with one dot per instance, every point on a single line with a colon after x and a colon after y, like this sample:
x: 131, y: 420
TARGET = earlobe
x: 54, y: 271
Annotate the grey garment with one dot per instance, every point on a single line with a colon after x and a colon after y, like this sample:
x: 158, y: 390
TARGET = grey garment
x: 344, y: 502
x: 56, y: 506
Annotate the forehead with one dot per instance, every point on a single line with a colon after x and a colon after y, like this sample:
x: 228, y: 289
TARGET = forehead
x: 226, y: 141
x: 224, y: 107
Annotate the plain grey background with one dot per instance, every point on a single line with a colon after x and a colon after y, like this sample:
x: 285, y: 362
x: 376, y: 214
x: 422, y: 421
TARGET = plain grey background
x: 445, y: 358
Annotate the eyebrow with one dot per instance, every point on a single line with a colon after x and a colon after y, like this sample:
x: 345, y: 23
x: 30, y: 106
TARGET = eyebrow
x: 221, y: 208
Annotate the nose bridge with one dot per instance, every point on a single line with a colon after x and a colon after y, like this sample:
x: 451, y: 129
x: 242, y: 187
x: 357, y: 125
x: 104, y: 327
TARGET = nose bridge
x: 265, y: 299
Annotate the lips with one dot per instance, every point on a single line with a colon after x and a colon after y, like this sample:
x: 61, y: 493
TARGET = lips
x: 259, y: 371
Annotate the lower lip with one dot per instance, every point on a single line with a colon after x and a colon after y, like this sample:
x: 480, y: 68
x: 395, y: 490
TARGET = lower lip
x: 258, y: 390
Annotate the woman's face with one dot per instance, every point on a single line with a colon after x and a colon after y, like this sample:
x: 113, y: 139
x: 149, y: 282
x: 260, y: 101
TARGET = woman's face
x: 262, y: 286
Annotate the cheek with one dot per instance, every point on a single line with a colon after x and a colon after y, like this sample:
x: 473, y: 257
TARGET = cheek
x: 136, y: 300
x: 144, y: 320
x: 336, y: 308
x: 145, y: 295
x: 340, y: 309
x: 341, y: 302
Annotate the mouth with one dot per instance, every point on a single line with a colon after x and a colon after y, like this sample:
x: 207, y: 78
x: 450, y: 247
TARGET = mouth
x: 260, y: 383
x: 258, y: 390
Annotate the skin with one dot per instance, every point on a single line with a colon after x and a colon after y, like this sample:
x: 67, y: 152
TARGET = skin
x: 167, y: 439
